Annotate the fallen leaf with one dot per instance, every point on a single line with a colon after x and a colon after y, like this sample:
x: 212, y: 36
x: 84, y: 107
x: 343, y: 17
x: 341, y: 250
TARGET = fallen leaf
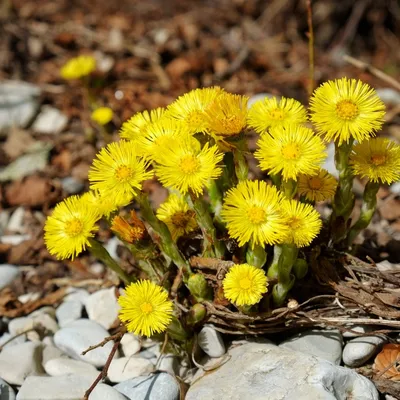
x: 387, y: 362
x: 17, y: 143
x: 390, y: 209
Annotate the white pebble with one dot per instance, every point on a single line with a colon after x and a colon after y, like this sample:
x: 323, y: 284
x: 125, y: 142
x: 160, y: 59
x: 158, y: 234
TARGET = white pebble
x: 67, y: 366
x: 125, y: 368
x: 102, y: 307
x: 130, y: 344
x: 211, y: 342
x: 68, y: 311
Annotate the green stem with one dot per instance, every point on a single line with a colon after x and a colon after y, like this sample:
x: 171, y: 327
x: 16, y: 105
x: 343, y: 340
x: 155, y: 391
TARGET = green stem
x: 289, y: 188
x: 228, y: 178
x: 273, y: 270
x: 276, y: 180
x: 241, y: 166
x: 213, y: 246
x: 215, y: 200
x: 167, y: 245
x: 98, y: 251
x: 256, y: 255
x: 367, y: 210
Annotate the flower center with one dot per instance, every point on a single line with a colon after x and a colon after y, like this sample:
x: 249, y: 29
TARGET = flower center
x: 245, y: 283
x: 277, y: 114
x: 378, y: 159
x: 123, y: 173
x: 195, y: 119
x: 73, y: 227
x: 189, y: 165
x: 346, y: 110
x: 231, y: 125
x: 295, y: 223
x: 291, y: 151
x: 146, y: 308
x: 256, y: 215
x: 315, y: 183
x: 181, y: 218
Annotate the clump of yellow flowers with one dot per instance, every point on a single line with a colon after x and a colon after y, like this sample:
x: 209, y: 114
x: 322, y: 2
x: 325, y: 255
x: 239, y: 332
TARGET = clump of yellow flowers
x: 197, y: 149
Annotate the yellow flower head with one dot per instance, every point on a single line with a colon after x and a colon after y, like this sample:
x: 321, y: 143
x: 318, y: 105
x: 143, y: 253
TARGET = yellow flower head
x: 78, y: 67
x: 304, y: 222
x: 129, y: 231
x: 117, y: 171
x: 226, y: 116
x: 68, y: 229
x: 346, y: 108
x: 145, y: 308
x: 179, y: 218
x: 136, y: 126
x: 161, y: 134
x: 377, y: 159
x: 290, y: 150
x: 244, y: 285
x: 187, y: 167
x: 252, y: 213
x: 102, y: 115
x: 105, y: 204
x: 270, y: 113
x: 190, y: 108
x: 318, y: 187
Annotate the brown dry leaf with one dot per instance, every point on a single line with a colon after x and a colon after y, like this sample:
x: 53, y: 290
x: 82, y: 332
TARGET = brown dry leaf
x: 390, y: 299
x: 390, y: 209
x: 17, y: 143
x: 26, y: 253
x: 387, y: 362
x: 33, y: 191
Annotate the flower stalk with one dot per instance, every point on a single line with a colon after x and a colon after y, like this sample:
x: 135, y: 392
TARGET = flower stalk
x: 256, y: 255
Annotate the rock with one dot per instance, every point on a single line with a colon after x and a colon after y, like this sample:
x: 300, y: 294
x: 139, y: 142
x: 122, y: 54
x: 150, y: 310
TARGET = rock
x: 81, y: 334
x: 169, y: 363
x: 19, y: 102
x: 264, y: 371
x: 359, y: 350
x: 329, y: 163
x: 50, y: 121
x: 72, y: 185
x: 130, y: 344
x: 389, y: 96
x: 125, y: 368
x: 44, y: 310
x: 18, y: 362
x: 156, y: 387
x: 326, y: 344
x: 211, y: 342
x: 102, y: 307
x: 68, y: 311
x: 15, y: 240
x: 6, y: 391
x: 105, y: 392
x: 258, y: 97
x: 66, y: 366
x: 6, y: 337
x: 76, y: 294
x: 356, y: 328
x: 66, y: 387
x: 22, y: 324
x: 15, y: 224
x: 7, y: 274
x: 51, y: 352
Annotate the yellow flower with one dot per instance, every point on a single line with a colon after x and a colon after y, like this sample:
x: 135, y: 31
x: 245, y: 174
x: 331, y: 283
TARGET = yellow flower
x: 129, y: 231
x: 117, y: 171
x: 187, y: 167
x: 160, y: 134
x: 68, y: 229
x: 270, y: 113
x: 190, y: 108
x: 290, y: 150
x: 102, y: 115
x: 106, y: 204
x: 304, y: 222
x: 244, y: 285
x: 345, y: 109
x: 179, y: 218
x: 252, y: 213
x: 318, y: 187
x: 145, y: 308
x: 136, y: 126
x: 78, y: 67
x: 377, y: 159
x: 227, y: 114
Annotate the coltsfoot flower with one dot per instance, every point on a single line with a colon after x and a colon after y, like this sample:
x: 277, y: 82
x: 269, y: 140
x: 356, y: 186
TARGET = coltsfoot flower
x: 304, y: 222
x: 377, y: 159
x: 319, y: 187
x: 346, y: 108
x: 68, y: 229
x: 253, y: 214
x: 145, y: 308
x: 290, y: 150
x: 102, y: 115
x: 118, y: 171
x: 270, y: 113
x: 106, y: 204
x: 245, y: 284
x: 129, y: 231
x: 176, y: 213
x: 78, y: 67
x: 188, y: 167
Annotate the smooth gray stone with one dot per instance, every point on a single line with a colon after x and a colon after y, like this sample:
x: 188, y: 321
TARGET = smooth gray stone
x: 6, y: 391
x: 72, y: 185
x: 160, y: 386
x: 260, y: 371
x: 50, y: 121
x: 105, y: 392
x: 360, y: 349
x: 211, y: 342
x: 326, y: 344
x: 68, y: 311
x: 102, y: 307
x: 8, y: 273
